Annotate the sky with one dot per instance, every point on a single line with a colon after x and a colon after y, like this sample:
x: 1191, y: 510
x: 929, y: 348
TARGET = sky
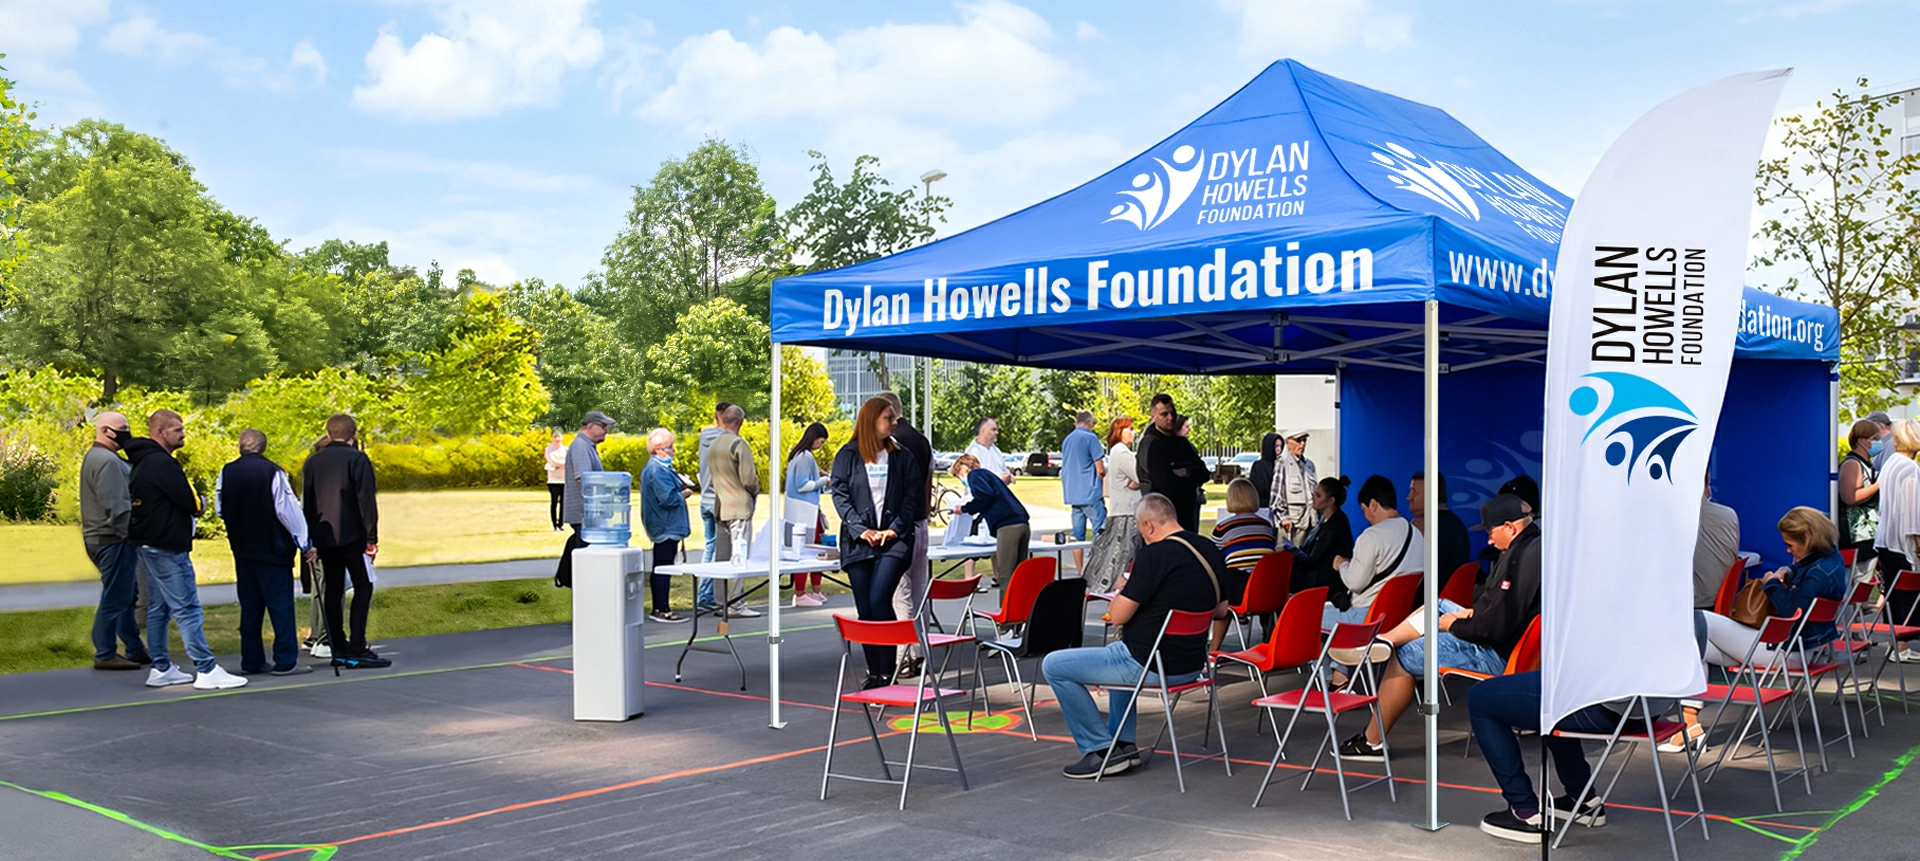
x: 506, y: 136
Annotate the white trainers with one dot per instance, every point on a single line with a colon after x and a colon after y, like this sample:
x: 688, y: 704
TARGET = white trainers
x: 218, y: 679
x: 156, y: 678
x: 320, y: 650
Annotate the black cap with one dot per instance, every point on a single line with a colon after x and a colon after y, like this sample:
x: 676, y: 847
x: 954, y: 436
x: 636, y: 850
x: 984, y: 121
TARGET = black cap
x: 1504, y: 508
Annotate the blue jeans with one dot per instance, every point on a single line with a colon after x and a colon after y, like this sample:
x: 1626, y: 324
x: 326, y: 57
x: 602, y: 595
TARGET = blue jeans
x: 1454, y: 652
x: 1502, y: 705
x: 1331, y: 614
x: 113, y: 621
x: 1093, y: 514
x: 265, y: 591
x: 172, y: 593
x: 703, y: 592
x: 1070, y: 671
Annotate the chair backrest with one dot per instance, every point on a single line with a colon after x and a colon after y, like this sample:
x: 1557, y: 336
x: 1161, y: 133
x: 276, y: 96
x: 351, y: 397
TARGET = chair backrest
x: 1353, y: 635
x: 1862, y: 591
x: 946, y: 589
x: 1776, y: 629
x: 1268, y: 585
x: 1394, y: 602
x: 1847, y: 555
x: 1058, y: 618
x: 1029, y: 577
x: 1905, y: 581
x: 1459, y: 587
x: 1526, y: 653
x: 899, y: 632
x: 1188, y: 623
x: 1296, y: 637
x: 1823, y: 611
x: 1729, y: 587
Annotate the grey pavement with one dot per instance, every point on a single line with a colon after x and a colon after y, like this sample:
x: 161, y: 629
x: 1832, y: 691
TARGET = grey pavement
x: 86, y: 593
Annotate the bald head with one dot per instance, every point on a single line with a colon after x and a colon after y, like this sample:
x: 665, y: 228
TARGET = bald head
x: 732, y: 416
x: 108, y: 428
x: 253, y: 442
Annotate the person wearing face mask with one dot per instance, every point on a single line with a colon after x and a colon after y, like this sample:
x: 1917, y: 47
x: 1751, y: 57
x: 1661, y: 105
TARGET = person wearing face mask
x: 1860, y: 494
x: 105, y: 512
x: 1882, y: 447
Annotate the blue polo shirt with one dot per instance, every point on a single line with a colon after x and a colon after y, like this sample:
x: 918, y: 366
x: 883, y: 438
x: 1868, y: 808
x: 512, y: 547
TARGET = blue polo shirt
x: 1079, y: 485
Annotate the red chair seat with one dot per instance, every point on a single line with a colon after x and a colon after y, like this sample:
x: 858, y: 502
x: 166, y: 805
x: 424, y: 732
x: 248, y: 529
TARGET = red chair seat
x: 1662, y: 730
x: 1340, y: 703
x: 1201, y: 682
x: 1850, y: 646
x: 938, y: 640
x: 1261, y: 656
x: 1816, y: 670
x: 1743, y: 695
x: 897, y: 695
x: 1900, y: 632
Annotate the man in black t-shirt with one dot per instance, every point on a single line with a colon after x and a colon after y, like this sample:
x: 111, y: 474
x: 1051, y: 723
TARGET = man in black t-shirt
x: 1177, y: 570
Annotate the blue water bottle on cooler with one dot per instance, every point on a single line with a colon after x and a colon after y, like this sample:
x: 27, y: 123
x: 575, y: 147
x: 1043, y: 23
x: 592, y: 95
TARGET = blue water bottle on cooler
x: 606, y: 510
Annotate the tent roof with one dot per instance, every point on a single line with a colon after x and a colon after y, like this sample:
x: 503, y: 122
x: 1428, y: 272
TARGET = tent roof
x: 1297, y: 225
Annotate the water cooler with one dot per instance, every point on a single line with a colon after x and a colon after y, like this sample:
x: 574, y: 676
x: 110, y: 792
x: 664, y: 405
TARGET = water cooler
x: 609, y: 605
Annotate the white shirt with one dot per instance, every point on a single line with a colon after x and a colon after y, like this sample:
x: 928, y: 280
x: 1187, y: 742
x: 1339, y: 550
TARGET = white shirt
x: 990, y: 457
x: 285, y: 507
x: 1374, y: 549
x: 1899, y: 506
x: 1122, y: 500
x: 877, y: 482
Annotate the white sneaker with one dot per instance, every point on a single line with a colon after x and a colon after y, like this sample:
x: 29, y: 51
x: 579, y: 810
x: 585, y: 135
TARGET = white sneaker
x: 218, y: 679
x: 320, y: 650
x: 1907, y: 656
x: 172, y: 676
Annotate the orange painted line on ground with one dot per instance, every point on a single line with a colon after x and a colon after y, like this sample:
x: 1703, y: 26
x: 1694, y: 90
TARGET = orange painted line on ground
x: 548, y: 669
x: 736, y: 696
x: 573, y: 796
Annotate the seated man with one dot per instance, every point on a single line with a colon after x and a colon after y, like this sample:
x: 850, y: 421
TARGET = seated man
x: 1498, y: 708
x: 1477, y: 638
x: 1389, y: 546
x: 1177, y: 570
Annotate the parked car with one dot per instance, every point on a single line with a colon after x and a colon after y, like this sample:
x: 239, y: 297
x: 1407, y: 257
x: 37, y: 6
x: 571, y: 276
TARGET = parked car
x: 1016, y: 462
x: 1237, y: 467
x: 1041, y: 463
x: 943, y: 460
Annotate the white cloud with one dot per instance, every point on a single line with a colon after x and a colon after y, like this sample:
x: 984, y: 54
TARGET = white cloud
x: 495, y: 243
x: 1275, y: 29
x: 1086, y: 32
x: 488, y: 57
x: 989, y: 69
x: 375, y: 162
x: 38, y: 36
x: 142, y: 36
x: 306, y: 56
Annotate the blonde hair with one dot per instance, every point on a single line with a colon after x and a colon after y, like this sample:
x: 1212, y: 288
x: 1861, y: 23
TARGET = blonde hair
x: 1241, y: 498
x: 1906, y: 436
x: 966, y: 461
x: 1810, y: 527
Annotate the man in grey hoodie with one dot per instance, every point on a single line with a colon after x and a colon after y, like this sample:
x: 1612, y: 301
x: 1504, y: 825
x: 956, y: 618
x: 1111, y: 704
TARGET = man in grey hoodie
x: 106, y: 509
x: 703, y: 599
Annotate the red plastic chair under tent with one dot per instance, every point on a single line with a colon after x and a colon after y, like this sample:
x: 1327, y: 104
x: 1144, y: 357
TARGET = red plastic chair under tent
x: 1394, y: 602
x: 1266, y: 591
x: 1853, y: 641
x: 952, y: 589
x: 1029, y: 577
x: 1319, y: 697
x: 1753, y: 688
x: 1729, y: 587
x: 1179, y: 623
x: 901, y: 632
x: 1295, y: 643
x: 1819, y: 663
x: 1637, y: 727
x: 1525, y: 658
x: 1459, y: 588
x: 1899, y: 631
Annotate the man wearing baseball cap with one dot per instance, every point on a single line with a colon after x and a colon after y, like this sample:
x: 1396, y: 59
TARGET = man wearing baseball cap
x: 1292, y: 491
x: 1882, y: 449
x: 583, y: 455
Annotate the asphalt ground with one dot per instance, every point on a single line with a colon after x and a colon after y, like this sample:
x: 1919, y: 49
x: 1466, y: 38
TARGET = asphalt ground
x: 466, y: 748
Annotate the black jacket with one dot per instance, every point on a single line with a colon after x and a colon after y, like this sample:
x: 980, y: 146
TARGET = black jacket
x: 1171, y: 466
x: 899, y: 511
x: 1456, y: 549
x: 922, y: 451
x: 254, y: 532
x: 164, y: 504
x: 1506, y: 605
x: 1261, y: 474
x: 1313, y: 558
x: 337, y: 493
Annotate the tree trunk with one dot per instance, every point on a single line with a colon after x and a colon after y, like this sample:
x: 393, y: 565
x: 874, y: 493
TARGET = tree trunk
x: 109, y: 386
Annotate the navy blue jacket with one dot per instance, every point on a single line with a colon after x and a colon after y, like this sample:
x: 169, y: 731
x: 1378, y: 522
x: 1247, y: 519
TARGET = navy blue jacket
x: 1820, y: 576
x: 993, y: 501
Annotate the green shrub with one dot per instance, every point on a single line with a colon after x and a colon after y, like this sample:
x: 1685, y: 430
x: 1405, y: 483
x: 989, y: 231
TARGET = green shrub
x: 27, y: 480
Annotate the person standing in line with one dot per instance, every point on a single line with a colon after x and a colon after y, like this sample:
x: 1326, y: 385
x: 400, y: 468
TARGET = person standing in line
x: 995, y: 503
x: 265, y: 529
x: 736, y: 483
x: 555, y: 460
x: 1860, y: 496
x: 663, y: 513
x: 164, y: 510
x: 986, y: 433
x: 1113, y: 548
x: 913, y: 584
x: 803, y: 485
x: 583, y: 456
x: 1896, y: 541
x: 1882, y: 447
x: 105, y: 512
x: 1082, y: 469
x: 1170, y: 466
x: 710, y: 528
x: 877, y: 493
x: 313, y: 583
x: 1261, y: 474
x: 343, y: 519
x: 1292, y: 492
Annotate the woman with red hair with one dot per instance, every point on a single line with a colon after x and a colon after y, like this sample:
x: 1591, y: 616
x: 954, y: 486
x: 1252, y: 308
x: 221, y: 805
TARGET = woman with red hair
x: 879, y: 492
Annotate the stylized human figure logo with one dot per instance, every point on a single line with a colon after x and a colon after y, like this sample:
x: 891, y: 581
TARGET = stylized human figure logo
x: 1414, y: 173
x: 1652, y: 422
x: 1156, y: 194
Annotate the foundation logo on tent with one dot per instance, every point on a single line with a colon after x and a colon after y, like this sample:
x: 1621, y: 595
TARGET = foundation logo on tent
x: 1157, y: 193
x: 1642, y: 423
x: 1412, y: 172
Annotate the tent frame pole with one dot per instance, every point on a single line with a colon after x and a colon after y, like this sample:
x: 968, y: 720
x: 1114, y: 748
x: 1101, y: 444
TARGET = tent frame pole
x: 1833, y: 439
x: 1430, y: 708
x: 776, y: 536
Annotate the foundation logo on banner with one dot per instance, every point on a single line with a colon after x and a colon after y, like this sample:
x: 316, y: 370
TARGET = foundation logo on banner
x: 1156, y: 194
x: 1412, y: 172
x: 1641, y: 424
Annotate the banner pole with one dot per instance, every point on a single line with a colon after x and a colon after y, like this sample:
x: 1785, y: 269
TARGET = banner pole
x: 776, y: 538
x: 1430, y: 709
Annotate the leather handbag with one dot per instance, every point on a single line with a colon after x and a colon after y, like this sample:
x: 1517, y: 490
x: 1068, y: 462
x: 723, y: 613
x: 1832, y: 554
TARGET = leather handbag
x: 1751, y: 607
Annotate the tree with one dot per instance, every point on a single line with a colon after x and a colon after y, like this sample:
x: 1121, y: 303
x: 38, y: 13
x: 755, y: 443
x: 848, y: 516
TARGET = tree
x: 349, y: 260
x: 806, y: 392
x: 1006, y: 393
x: 1064, y: 393
x: 16, y: 141
x: 719, y: 352
x: 579, y: 355
x: 485, y: 380
x: 127, y: 279
x: 1848, y: 215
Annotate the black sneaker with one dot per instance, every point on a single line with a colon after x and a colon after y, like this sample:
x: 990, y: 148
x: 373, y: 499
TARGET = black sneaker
x: 1356, y: 749
x: 1088, y: 767
x: 1507, y: 825
x: 364, y: 661
x: 1592, y: 813
x: 1126, y: 750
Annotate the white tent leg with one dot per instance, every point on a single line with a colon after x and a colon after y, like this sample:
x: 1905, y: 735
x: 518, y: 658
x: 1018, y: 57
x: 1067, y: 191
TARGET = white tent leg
x: 776, y: 536
x: 1430, y: 708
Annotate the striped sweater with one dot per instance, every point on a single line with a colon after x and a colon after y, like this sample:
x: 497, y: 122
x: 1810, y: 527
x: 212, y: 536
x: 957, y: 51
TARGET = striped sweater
x: 1243, y: 539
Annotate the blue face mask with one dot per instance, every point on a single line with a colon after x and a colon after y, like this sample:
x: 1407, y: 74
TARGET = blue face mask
x: 1874, y: 449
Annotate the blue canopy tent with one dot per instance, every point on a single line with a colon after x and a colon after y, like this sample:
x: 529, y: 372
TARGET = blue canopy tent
x: 1304, y: 225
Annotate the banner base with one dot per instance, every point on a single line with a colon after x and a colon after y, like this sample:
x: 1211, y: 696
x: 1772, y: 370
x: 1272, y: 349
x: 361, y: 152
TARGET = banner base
x: 1434, y: 827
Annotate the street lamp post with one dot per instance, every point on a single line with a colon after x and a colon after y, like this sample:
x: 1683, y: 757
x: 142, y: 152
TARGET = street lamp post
x: 931, y: 177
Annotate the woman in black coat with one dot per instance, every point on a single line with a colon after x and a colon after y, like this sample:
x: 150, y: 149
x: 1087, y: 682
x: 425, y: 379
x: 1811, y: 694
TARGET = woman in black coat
x: 878, y: 490
x: 1332, y: 536
x: 1262, y: 472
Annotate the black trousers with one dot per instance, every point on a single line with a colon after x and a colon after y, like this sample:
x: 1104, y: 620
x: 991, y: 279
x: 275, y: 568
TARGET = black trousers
x: 265, y: 591
x: 563, y: 573
x: 1899, y: 604
x: 664, y: 553
x: 555, y: 493
x: 874, y: 581
x: 340, y: 565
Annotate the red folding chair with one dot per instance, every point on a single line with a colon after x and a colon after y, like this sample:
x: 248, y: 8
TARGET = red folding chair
x: 963, y: 590
x: 1896, y: 632
x: 1029, y: 577
x: 1525, y: 658
x: 1637, y: 726
x: 1729, y: 587
x: 1815, y: 665
x: 1752, y: 686
x: 1319, y: 697
x: 1394, y: 602
x: 1266, y: 592
x: 1179, y: 623
x: 1854, y: 646
x: 902, y: 632
x: 1295, y: 644
x: 1459, y: 588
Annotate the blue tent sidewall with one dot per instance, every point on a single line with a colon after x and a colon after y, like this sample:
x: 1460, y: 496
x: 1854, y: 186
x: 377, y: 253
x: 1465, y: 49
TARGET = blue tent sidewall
x: 1770, y: 450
